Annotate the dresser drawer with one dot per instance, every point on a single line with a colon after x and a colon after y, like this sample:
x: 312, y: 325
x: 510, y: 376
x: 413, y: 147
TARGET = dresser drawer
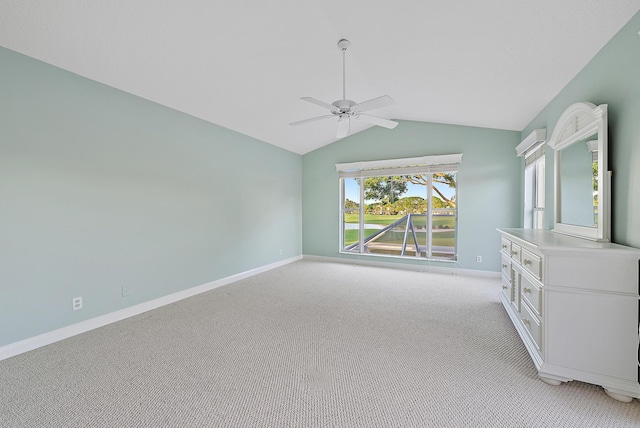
x: 532, y: 263
x: 532, y: 293
x: 515, y: 252
x: 532, y: 324
x: 505, y: 246
x: 507, y: 287
x: 506, y: 266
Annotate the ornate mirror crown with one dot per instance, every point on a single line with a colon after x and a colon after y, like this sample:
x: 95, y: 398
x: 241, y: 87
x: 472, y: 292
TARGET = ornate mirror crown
x: 582, y: 181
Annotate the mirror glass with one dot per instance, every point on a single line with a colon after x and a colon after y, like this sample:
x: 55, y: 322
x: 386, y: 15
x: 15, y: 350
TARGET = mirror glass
x: 581, y: 176
x: 579, y: 181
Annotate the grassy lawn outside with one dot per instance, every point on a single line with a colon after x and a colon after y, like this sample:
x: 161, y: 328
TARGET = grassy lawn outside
x: 444, y: 239
x: 372, y: 218
x: 439, y: 221
x: 351, y: 235
x: 444, y: 227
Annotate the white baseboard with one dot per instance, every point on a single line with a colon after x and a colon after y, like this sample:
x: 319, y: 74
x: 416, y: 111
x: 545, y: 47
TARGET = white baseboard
x: 406, y: 266
x: 44, y: 339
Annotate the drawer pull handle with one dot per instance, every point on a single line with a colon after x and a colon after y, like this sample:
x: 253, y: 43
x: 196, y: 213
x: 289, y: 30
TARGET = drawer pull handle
x: 504, y: 247
x: 504, y: 266
x: 527, y: 262
x: 504, y: 287
x: 513, y: 253
x: 526, y: 290
x: 526, y: 321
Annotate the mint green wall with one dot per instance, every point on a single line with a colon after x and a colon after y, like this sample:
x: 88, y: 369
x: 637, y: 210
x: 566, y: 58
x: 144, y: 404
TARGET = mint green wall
x: 612, y: 77
x: 100, y: 189
x: 488, y: 185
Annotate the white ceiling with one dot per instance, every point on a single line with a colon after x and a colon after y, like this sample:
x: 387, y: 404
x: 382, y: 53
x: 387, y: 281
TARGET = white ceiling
x: 244, y: 64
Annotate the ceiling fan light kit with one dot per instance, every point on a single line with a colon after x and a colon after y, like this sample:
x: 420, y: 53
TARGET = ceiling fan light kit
x: 345, y: 109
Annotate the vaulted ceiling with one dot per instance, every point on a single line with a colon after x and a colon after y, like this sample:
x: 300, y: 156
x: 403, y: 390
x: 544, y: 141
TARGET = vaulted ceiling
x: 244, y: 64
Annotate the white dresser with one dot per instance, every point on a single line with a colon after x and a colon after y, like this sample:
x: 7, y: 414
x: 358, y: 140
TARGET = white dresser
x: 575, y: 304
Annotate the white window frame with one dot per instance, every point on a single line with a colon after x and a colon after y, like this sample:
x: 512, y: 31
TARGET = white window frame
x: 532, y: 149
x: 426, y: 165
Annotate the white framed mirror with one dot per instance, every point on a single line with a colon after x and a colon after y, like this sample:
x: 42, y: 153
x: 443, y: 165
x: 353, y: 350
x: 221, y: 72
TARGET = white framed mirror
x: 581, y: 177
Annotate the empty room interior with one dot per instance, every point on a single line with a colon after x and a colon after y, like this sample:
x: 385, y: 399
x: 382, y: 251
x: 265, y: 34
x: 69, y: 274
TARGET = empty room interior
x: 285, y: 213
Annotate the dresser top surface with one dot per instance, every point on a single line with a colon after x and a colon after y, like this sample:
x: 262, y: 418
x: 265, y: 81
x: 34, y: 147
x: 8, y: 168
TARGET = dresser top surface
x: 547, y: 240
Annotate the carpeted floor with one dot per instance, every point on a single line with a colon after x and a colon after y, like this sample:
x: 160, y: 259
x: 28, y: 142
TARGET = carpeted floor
x: 310, y: 344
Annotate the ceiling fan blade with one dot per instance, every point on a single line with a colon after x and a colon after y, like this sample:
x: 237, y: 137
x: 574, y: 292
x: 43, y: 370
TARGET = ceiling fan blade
x: 313, y: 119
x: 375, y: 120
x: 319, y: 103
x: 375, y: 103
x: 344, y: 127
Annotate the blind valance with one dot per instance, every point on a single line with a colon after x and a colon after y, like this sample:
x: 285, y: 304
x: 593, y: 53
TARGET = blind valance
x: 406, y: 166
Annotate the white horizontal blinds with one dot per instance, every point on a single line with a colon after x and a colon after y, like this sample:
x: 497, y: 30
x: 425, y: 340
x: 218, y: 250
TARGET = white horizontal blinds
x: 407, y: 166
x: 533, y: 154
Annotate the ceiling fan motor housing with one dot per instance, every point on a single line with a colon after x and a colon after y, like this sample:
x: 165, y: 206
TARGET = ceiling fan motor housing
x: 344, y: 106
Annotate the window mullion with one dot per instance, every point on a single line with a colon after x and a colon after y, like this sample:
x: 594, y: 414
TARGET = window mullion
x: 429, y: 214
x: 343, y: 213
x: 361, y: 226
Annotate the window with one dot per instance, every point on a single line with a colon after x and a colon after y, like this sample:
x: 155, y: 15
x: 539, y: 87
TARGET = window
x: 400, y: 207
x: 534, y: 194
x: 532, y: 148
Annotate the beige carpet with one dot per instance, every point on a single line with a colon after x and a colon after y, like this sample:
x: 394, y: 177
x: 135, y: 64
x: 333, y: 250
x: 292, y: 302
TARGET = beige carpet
x: 311, y: 344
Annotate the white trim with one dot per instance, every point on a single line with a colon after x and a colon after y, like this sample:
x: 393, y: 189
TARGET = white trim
x: 536, y: 138
x: 395, y: 163
x: 44, y: 339
x: 405, y: 266
x: 579, y: 121
x: 592, y: 145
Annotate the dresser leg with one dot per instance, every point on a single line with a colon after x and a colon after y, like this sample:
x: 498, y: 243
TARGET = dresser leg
x: 550, y: 381
x: 619, y: 397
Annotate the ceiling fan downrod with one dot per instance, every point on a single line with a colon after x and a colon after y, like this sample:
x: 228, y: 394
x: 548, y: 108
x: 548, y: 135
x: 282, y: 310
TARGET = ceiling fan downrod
x: 344, y: 44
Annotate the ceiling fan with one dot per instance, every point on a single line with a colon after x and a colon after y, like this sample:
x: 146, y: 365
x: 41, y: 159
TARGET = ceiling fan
x: 345, y: 109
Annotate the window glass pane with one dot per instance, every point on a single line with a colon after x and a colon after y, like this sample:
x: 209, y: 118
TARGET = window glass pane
x: 539, y: 208
x: 540, y: 183
x: 381, y: 214
x: 444, y: 216
x: 390, y: 203
x: 534, y: 194
x: 529, y: 196
x: 351, y: 215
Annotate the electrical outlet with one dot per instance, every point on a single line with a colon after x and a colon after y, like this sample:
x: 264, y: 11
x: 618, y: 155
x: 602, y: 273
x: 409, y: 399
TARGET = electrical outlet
x: 77, y: 303
x: 125, y: 291
x: 280, y: 251
x: 478, y: 259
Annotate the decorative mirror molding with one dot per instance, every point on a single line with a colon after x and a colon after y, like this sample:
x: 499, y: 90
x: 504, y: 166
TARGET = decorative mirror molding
x: 582, y: 181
